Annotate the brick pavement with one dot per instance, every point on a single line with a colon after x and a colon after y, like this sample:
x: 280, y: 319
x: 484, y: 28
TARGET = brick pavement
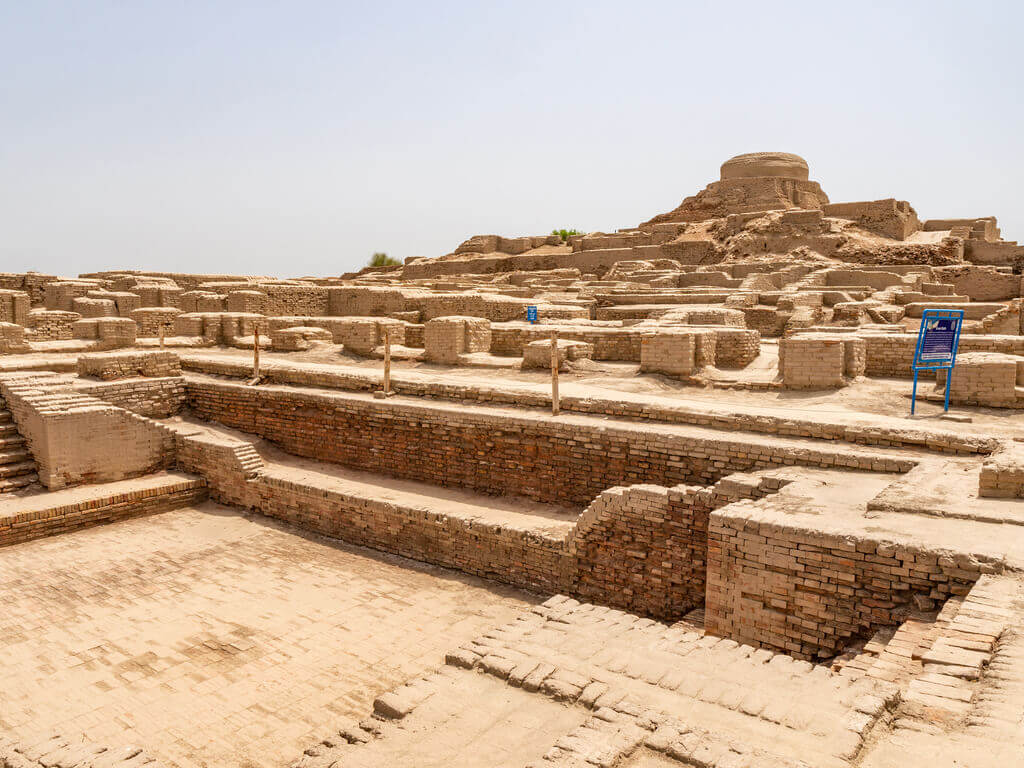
x: 211, y: 638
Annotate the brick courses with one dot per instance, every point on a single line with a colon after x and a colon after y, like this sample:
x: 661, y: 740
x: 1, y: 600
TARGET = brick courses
x: 809, y: 593
x: 567, y: 460
x: 62, y: 512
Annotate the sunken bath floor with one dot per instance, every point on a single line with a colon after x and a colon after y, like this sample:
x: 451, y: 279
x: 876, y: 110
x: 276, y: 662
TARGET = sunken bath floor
x: 212, y: 638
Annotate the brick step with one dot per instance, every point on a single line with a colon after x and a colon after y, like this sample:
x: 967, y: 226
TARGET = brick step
x: 8, y: 429
x: 5, y: 416
x: 956, y: 660
x: 14, y: 483
x: 9, y: 471
x: 14, y: 456
x: 603, y: 657
x: 11, y: 441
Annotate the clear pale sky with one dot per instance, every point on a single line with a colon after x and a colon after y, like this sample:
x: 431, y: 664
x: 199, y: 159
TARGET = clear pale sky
x: 298, y: 138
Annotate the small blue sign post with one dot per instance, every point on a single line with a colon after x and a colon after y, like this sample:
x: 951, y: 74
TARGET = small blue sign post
x: 937, y: 342
x: 531, y: 313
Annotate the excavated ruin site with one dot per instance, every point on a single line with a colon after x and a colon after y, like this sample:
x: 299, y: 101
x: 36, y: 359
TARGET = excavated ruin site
x: 230, y: 537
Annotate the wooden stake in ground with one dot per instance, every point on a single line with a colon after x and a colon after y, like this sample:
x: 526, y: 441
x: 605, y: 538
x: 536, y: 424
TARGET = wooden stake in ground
x: 387, y: 363
x: 256, y: 354
x: 554, y: 374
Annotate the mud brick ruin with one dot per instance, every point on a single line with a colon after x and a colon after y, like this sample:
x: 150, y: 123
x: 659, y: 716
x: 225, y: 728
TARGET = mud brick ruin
x: 727, y: 544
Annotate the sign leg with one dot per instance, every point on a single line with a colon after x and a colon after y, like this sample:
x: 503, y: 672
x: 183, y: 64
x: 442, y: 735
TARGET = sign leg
x: 913, y: 395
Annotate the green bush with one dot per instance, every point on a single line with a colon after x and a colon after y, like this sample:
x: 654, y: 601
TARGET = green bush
x: 383, y: 260
x: 565, y: 234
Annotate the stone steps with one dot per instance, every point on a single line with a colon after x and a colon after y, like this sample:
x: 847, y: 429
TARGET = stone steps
x: 14, y: 455
x: 954, y: 667
x: 17, y: 467
x: 602, y: 657
x: 16, y: 483
x: 893, y: 654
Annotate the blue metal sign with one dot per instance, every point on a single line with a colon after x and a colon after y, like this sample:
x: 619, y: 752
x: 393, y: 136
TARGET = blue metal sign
x: 937, y: 342
x: 531, y: 313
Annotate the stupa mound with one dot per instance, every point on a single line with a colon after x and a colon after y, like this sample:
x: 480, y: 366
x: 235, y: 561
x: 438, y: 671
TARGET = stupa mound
x: 754, y: 164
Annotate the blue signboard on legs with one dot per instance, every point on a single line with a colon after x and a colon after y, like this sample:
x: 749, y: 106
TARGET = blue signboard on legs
x: 937, y: 342
x: 531, y: 314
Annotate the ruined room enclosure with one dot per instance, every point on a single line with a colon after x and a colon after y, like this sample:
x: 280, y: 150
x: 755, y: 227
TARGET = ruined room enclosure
x: 384, y: 519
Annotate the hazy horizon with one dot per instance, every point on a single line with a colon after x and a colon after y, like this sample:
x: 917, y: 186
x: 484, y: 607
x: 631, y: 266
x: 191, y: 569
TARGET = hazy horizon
x: 298, y: 140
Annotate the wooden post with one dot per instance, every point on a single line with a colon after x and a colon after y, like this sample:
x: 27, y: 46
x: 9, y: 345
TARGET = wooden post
x: 256, y: 353
x: 161, y: 335
x: 554, y: 374
x: 387, y: 362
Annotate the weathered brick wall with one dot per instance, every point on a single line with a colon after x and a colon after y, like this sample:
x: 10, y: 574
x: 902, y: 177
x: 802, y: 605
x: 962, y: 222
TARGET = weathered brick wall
x: 1002, y: 474
x: 294, y: 300
x: 12, y: 339
x: 982, y: 378
x: 558, y: 460
x: 60, y: 294
x: 645, y: 548
x: 736, y: 347
x: 49, y: 521
x: 60, y: 426
x: 156, y: 398
x: 120, y: 365
x: 892, y: 354
x: 14, y: 307
x: 820, y: 360
x: 152, y: 319
x: 679, y: 352
x: 810, y: 593
x: 52, y: 325
x: 609, y: 343
x: 522, y: 558
x: 230, y: 467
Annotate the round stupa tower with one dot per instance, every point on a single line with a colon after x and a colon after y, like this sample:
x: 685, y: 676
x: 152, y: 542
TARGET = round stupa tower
x: 781, y: 165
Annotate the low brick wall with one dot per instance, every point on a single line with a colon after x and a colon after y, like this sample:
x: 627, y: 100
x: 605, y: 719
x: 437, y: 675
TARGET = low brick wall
x: 810, y: 593
x: 892, y: 354
x: 644, y: 548
x: 557, y: 460
x: 521, y: 558
x: 156, y: 398
x: 152, y: 495
x: 121, y: 365
x: 609, y: 343
x: 898, y: 435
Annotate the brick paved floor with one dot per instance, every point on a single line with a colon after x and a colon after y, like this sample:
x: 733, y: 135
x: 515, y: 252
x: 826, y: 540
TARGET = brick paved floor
x: 213, y: 639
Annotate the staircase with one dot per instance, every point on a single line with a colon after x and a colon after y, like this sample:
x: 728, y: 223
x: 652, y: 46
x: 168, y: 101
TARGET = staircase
x: 17, y: 467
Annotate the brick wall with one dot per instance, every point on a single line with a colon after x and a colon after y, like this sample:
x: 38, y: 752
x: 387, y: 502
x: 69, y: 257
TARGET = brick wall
x: 525, y: 559
x: 294, y: 299
x: 558, y: 460
x: 120, y: 365
x: 45, y: 520
x: 810, y: 592
x: 645, y: 548
x: 155, y: 398
x: 896, y: 435
x: 14, y: 307
x: 52, y: 325
x: 610, y: 343
x: 892, y: 354
x: 61, y: 427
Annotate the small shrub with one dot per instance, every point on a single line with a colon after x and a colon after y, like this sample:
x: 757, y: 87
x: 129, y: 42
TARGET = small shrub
x: 383, y: 260
x: 565, y: 234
